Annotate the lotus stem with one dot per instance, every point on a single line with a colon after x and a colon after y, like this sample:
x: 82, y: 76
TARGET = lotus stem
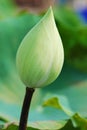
x: 25, y: 108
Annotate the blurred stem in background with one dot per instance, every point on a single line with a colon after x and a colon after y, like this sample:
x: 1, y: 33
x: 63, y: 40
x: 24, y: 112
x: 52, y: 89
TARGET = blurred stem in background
x: 35, y: 5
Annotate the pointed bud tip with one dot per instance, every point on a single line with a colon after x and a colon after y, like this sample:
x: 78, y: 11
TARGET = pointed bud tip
x: 49, y: 11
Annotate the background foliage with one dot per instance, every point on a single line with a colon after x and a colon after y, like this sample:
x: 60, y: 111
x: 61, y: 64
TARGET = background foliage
x: 63, y: 99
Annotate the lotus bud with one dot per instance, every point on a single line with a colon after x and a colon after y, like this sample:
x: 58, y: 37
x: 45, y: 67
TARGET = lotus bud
x: 40, y: 55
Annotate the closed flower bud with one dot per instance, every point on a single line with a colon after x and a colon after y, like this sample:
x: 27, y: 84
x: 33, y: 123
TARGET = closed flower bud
x: 40, y: 55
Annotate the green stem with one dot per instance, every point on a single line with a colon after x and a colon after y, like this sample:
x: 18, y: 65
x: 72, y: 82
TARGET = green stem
x: 25, y: 108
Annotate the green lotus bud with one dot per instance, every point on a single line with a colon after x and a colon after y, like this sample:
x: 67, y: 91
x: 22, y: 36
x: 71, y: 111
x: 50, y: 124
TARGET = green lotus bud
x: 40, y: 56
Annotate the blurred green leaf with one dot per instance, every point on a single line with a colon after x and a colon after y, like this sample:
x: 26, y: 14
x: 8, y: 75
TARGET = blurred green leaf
x: 12, y: 31
x: 7, y: 8
x: 74, y: 36
x: 59, y: 102
x: 67, y: 17
x: 80, y: 122
x: 49, y: 125
x: 69, y: 126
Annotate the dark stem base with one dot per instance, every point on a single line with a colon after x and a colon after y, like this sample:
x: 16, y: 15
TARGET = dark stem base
x: 25, y: 108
